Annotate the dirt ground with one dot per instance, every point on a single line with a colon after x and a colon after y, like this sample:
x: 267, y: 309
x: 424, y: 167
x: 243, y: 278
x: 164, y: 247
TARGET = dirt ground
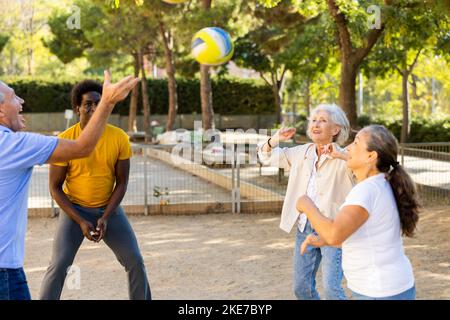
x: 221, y: 256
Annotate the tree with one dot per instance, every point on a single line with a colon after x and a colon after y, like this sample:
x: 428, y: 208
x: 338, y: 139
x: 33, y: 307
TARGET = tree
x: 274, y: 46
x: 356, y: 32
x: 116, y: 33
x: 24, y: 22
x: 167, y: 18
x: 205, y: 87
x: 201, y: 14
x: 400, y: 49
x: 66, y: 45
x: 125, y: 30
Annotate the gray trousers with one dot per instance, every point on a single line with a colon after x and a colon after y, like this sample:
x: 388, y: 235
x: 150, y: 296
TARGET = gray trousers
x: 119, y: 237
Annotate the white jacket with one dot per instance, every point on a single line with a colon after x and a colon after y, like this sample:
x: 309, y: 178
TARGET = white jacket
x: 333, y: 180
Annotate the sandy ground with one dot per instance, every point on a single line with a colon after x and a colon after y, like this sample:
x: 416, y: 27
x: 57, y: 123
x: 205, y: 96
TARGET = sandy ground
x: 222, y: 256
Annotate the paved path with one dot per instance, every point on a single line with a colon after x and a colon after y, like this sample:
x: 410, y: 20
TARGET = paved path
x: 429, y: 172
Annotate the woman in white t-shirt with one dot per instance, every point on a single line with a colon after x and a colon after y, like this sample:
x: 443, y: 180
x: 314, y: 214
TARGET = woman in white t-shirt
x: 381, y: 208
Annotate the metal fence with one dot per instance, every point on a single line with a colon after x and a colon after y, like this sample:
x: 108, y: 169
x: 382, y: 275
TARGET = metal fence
x: 164, y: 180
x: 429, y: 166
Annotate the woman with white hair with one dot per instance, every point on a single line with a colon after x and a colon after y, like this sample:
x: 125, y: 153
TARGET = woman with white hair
x: 318, y: 170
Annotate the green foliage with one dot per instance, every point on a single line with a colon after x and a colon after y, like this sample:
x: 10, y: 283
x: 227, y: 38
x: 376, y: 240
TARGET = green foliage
x: 114, y: 34
x: 422, y: 129
x: 310, y: 52
x: 280, y: 39
x: 111, y: 32
x: 66, y: 44
x: 41, y: 96
x: 408, y: 32
x: 230, y: 97
x: 247, y: 54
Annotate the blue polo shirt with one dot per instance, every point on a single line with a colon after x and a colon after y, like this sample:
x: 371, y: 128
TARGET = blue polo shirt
x: 19, y: 152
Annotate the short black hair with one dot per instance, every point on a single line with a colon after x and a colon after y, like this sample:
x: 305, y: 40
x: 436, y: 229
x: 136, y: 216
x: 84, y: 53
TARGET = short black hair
x: 83, y: 87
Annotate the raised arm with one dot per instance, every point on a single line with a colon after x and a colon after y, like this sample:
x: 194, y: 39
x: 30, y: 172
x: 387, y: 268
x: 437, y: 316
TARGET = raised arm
x: 85, y: 144
x: 270, y: 154
x: 335, y: 152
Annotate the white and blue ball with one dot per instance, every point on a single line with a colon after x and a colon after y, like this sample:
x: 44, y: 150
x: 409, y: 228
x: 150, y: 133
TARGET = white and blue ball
x: 212, y: 46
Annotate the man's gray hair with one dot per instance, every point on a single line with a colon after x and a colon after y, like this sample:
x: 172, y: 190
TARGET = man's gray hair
x: 337, y: 115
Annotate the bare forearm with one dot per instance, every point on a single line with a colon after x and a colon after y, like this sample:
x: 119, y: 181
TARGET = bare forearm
x: 81, y: 147
x: 321, y: 224
x: 86, y: 142
x: 266, y: 148
x: 94, y: 129
x: 64, y: 203
x: 343, y: 156
x: 115, y: 199
x: 323, y: 243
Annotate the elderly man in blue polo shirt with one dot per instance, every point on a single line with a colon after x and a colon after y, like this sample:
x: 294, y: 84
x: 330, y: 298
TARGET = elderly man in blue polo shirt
x: 19, y: 153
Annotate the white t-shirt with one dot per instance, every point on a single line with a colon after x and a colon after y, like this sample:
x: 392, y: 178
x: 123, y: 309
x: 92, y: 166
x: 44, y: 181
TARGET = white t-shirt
x: 373, y: 259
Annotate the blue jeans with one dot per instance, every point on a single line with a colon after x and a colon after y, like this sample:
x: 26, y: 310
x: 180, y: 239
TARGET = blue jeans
x: 306, y: 266
x: 409, y: 294
x: 13, y: 285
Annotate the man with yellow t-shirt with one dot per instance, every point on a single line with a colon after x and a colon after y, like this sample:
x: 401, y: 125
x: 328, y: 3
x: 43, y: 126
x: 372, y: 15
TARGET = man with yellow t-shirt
x: 91, y: 196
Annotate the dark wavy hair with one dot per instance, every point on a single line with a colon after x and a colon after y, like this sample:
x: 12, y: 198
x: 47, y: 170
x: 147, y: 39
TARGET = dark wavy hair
x: 84, y: 87
x: 383, y: 142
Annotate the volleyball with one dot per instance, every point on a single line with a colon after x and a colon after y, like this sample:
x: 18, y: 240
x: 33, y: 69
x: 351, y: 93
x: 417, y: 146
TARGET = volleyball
x: 174, y: 1
x: 212, y: 46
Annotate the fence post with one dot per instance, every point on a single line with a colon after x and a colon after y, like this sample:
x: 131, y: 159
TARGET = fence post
x: 402, y: 151
x: 145, y: 181
x: 233, y: 195
x: 238, y: 183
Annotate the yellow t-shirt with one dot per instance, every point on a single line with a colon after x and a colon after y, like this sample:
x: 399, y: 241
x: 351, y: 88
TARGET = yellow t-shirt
x: 90, y: 181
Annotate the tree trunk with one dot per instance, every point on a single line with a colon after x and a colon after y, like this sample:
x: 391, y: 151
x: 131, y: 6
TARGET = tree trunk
x: 206, y: 88
x: 206, y: 4
x: 406, y: 109
x: 12, y: 68
x: 347, y: 91
x: 206, y: 98
x: 29, y: 50
x: 29, y: 61
x: 145, y: 98
x: 171, y: 83
x: 351, y: 58
x: 414, y: 80
x: 276, y: 95
x: 132, y: 126
x: 405, y: 73
x: 307, y: 97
